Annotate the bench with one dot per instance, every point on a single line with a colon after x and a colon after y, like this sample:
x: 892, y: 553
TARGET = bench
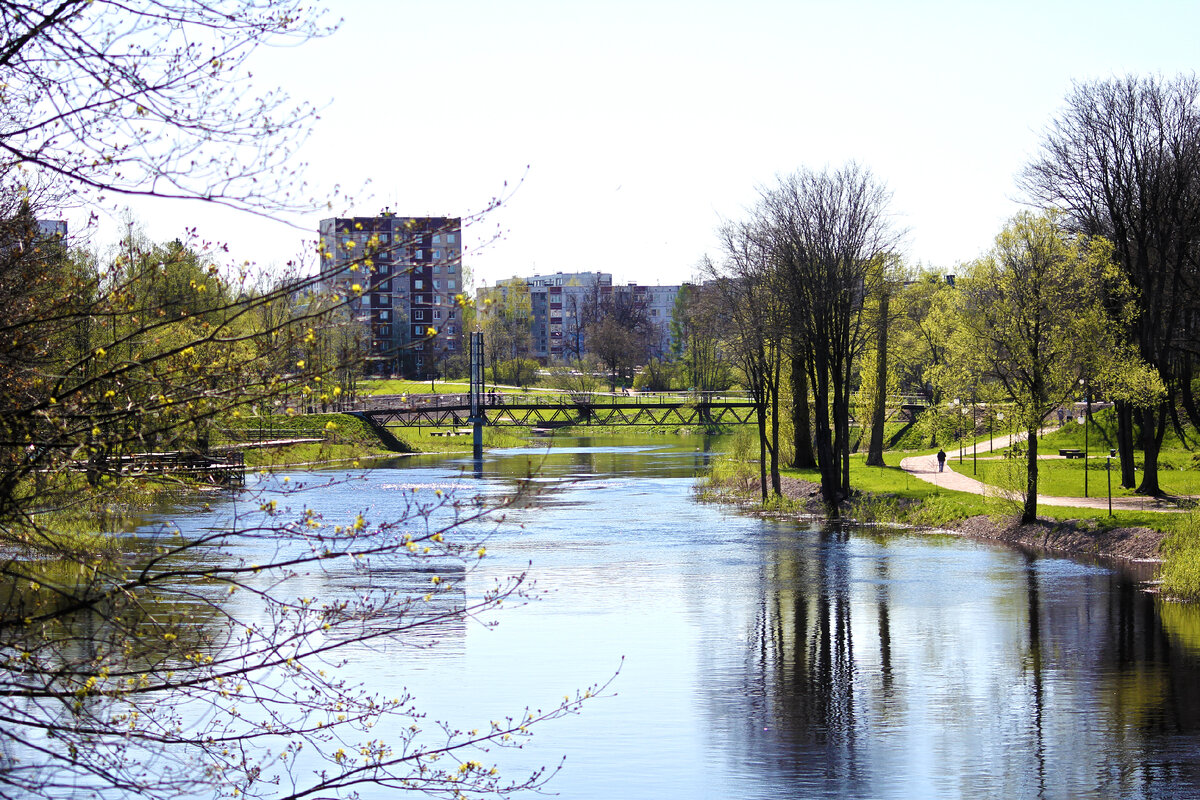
x: 1068, y: 452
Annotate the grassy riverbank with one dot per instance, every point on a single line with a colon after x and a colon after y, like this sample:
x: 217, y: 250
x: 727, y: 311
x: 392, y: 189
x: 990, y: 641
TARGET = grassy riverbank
x: 889, y: 494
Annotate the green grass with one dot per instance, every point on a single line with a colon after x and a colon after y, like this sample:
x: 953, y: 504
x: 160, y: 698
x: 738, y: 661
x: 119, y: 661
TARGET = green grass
x: 1064, y: 477
x: 924, y: 503
x: 396, y: 386
x: 1180, y: 573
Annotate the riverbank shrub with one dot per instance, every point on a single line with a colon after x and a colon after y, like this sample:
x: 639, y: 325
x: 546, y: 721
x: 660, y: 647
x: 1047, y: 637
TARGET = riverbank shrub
x: 1180, y: 572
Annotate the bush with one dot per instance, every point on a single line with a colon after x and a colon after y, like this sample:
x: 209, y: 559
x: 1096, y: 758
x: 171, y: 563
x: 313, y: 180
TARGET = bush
x: 657, y: 376
x: 575, y: 381
x: 516, y: 372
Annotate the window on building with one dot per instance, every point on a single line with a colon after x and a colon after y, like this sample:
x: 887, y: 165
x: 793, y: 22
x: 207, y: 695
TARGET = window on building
x: 418, y: 330
x: 383, y: 315
x: 437, y: 253
x: 437, y: 313
x: 418, y: 254
x: 451, y: 284
x: 450, y: 238
x: 418, y: 284
x: 437, y: 284
x: 418, y: 314
x: 437, y: 238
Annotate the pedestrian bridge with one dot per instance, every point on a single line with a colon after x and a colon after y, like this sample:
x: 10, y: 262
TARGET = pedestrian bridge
x: 673, y: 409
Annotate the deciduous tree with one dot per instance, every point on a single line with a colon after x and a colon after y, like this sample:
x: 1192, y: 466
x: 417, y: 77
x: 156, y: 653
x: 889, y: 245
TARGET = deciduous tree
x: 149, y: 97
x: 828, y: 229
x: 1033, y: 316
x: 130, y: 666
x: 1122, y: 160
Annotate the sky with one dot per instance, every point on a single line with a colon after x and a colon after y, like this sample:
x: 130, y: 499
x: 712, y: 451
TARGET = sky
x: 620, y: 134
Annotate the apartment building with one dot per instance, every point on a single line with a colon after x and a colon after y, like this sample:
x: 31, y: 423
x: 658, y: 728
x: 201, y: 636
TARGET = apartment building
x: 559, y: 303
x: 409, y: 270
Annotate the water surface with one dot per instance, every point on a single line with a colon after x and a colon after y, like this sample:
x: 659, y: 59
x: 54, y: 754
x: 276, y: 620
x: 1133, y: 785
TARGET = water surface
x: 766, y: 659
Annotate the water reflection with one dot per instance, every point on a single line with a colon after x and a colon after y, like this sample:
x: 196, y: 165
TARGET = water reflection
x: 884, y: 667
x: 769, y: 659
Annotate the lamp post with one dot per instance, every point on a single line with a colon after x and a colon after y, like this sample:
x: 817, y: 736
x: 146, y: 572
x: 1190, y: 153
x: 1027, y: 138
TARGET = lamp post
x: 958, y: 428
x: 974, y: 440
x: 1000, y: 417
x: 1111, y: 453
x: 1087, y: 421
x: 1084, y: 422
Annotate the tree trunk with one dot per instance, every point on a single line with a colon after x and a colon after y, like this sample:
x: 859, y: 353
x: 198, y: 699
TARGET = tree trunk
x: 801, y: 421
x: 1029, y: 512
x: 826, y: 456
x: 879, y: 411
x: 842, y: 419
x: 776, y: 368
x: 761, y: 415
x: 1151, y: 437
x: 1125, y: 443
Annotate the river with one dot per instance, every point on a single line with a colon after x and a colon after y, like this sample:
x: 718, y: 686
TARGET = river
x: 767, y: 659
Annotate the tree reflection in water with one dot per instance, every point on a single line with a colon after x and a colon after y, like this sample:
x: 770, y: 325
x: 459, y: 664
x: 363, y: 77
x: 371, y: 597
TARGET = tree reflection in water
x: 871, y: 671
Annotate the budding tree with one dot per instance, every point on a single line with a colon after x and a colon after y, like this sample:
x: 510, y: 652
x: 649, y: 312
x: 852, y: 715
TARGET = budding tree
x: 166, y: 664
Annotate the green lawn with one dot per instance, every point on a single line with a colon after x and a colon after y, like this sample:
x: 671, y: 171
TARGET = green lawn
x: 1064, y: 477
x: 939, y: 506
x: 390, y: 386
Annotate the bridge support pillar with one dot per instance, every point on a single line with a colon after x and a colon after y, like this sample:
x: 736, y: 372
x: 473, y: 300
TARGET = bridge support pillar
x: 477, y: 401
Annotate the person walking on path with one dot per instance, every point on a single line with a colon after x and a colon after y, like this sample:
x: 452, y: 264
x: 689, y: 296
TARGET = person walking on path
x: 941, y: 460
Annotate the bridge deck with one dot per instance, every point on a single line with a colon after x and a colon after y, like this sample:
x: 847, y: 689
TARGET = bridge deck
x: 521, y: 411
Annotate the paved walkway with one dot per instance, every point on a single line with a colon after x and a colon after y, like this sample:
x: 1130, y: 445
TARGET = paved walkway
x: 926, y: 468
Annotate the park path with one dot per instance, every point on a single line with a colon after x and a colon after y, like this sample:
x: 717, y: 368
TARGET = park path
x: 926, y: 468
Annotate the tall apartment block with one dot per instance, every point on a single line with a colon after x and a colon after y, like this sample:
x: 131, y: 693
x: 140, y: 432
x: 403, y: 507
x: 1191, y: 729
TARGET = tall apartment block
x: 410, y: 269
x: 558, y: 300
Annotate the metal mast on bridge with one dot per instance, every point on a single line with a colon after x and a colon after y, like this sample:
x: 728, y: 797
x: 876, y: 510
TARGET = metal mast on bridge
x: 477, y: 406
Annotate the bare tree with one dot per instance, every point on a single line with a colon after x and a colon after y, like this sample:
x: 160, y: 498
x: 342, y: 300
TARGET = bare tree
x: 697, y: 323
x: 132, y: 666
x: 827, y: 230
x: 1123, y: 161
x: 149, y: 98
x: 756, y: 333
x: 617, y: 328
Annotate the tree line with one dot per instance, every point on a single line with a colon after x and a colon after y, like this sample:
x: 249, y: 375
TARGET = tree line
x: 1095, y: 287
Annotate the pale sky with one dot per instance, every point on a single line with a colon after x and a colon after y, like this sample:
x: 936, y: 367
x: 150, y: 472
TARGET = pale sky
x: 634, y: 128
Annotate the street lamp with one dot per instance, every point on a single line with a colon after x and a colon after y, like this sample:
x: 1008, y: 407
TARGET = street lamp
x: 974, y: 440
x: 1108, y: 469
x: 958, y: 429
x: 1087, y: 394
